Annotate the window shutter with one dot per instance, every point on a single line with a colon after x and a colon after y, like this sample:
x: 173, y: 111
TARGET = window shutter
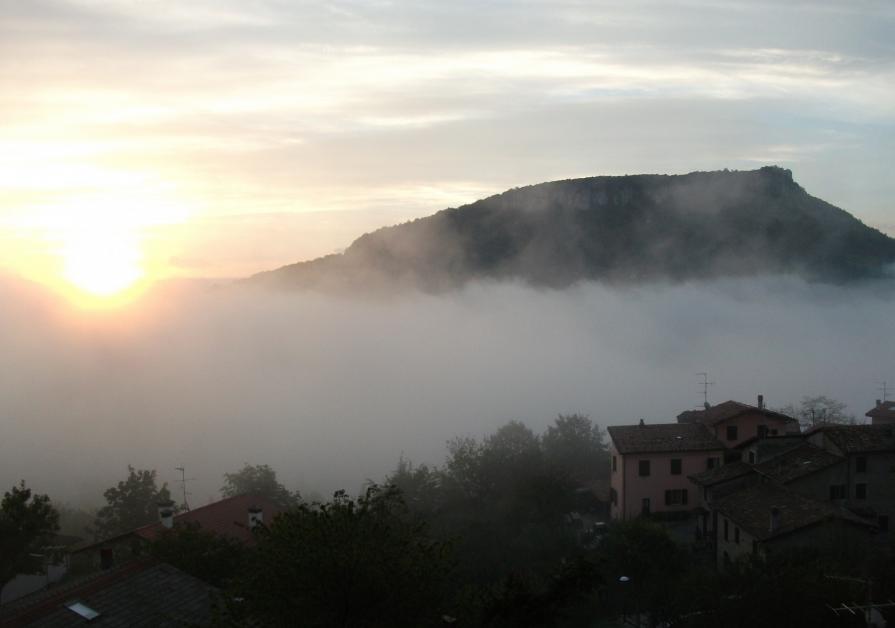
x: 667, y: 498
x: 684, y: 497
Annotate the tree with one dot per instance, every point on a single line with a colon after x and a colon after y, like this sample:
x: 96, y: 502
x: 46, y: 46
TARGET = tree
x: 27, y: 525
x: 203, y: 554
x: 131, y: 504
x: 259, y: 479
x: 574, y: 444
x: 814, y: 411
x: 348, y: 562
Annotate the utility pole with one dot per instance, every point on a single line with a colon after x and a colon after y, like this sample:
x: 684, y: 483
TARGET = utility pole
x: 705, y: 383
x: 183, y: 481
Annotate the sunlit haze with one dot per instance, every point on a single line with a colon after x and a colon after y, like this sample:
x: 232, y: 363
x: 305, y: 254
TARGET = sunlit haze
x: 214, y: 127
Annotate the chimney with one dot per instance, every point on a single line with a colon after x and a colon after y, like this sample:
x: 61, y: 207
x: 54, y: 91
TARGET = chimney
x: 761, y: 402
x: 706, y: 405
x: 775, y: 520
x: 166, y: 514
x: 256, y: 517
x: 879, y: 403
x: 642, y: 423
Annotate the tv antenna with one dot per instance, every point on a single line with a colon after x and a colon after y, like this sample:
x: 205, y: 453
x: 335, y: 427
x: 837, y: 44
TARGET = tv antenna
x: 883, y: 389
x: 183, y: 481
x: 705, y: 383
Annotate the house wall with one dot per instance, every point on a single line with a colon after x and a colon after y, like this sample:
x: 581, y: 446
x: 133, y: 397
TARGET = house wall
x: 817, y: 485
x: 730, y: 549
x: 747, y: 427
x: 880, y: 480
x: 631, y: 488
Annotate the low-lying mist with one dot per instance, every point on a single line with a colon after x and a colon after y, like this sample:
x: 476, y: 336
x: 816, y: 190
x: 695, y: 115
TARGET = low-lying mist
x: 330, y: 391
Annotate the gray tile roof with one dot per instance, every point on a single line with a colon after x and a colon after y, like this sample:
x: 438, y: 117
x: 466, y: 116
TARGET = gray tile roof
x: 727, y: 410
x: 750, y: 509
x: 723, y: 473
x: 139, y: 594
x: 797, y: 463
x: 854, y: 439
x: 663, y: 437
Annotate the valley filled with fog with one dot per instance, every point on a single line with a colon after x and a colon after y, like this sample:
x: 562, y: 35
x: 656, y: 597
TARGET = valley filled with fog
x: 331, y: 391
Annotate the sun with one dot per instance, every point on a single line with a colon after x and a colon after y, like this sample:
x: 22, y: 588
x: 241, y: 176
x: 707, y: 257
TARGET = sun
x: 102, y: 266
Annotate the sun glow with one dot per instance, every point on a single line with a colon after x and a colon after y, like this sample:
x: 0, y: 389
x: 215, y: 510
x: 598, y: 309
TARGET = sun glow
x: 102, y: 264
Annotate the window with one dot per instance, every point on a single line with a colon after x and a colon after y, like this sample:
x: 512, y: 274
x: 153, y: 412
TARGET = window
x: 614, y: 463
x: 613, y: 496
x: 883, y: 522
x: 643, y: 468
x: 736, y: 535
x: 751, y: 457
x: 711, y: 463
x: 731, y: 432
x: 644, y: 508
x: 773, y: 432
x: 860, y: 491
x: 675, y: 466
x: 837, y: 491
x: 676, y: 497
x: 860, y: 464
x: 762, y: 431
x: 726, y: 530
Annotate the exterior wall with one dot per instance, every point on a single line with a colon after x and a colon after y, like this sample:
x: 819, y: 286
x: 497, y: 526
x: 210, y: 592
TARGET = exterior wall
x: 747, y: 427
x: 631, y: 489
x: 880, y: 480
x: 817, y: 485
x: 730, y: 549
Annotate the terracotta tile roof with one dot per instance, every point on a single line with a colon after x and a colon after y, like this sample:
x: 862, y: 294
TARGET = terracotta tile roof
x: 723, y: 473
x: 726, y: 410
x: 750, y: 509
x: 140, y: 593
x: 885, y: 410
x: 853, y: 439
x: 663, y: 437
x: 797, y: 463
x: 227, y: 517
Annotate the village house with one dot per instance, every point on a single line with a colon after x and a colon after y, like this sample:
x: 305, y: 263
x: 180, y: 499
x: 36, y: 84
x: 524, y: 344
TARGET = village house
x: 767, y: 517
x: 651, y: 465
x: 883, y: 413
x: 733, y: 422
x: 233, y: 517
x: 867, y: 485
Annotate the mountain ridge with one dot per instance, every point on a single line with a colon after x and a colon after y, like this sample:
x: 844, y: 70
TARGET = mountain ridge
x: 615, y: 229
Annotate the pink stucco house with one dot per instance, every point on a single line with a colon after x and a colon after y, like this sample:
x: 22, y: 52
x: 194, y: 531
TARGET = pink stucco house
x: 733, y: 422
x: 650, y: 465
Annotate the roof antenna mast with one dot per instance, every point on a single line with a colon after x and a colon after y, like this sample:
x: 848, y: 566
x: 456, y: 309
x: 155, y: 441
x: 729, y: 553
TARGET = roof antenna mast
x: 705, y: 383
x: 883, y: 389
x: 183, y: 481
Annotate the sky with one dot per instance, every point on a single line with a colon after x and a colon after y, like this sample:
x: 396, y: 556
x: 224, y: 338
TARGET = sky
x: 216, y: 138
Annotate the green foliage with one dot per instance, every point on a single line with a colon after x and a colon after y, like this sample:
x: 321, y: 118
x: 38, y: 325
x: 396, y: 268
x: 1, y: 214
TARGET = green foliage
x: 210, y: 557
x: 575, y: 444
x: 27, y: 524
x: 131, y: 504
x: 349, y: 562
x: 261, y: 480
x: 788, y: 588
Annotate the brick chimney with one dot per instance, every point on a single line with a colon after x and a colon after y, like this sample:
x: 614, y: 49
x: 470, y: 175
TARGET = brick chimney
x: 761, y: 402
x: 166, y: 514
x: 256, y: 517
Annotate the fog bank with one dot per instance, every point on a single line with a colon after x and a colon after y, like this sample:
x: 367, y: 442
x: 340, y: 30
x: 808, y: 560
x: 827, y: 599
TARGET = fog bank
x: 331, y: 390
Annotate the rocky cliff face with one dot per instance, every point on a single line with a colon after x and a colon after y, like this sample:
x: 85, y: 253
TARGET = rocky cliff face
x: 613, y: 229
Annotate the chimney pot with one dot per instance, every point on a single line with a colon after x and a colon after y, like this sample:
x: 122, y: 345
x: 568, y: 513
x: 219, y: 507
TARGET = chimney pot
x: 761, y: 402
x: 642, y: 423
x: 256, y: 517
x: 166, y: 513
